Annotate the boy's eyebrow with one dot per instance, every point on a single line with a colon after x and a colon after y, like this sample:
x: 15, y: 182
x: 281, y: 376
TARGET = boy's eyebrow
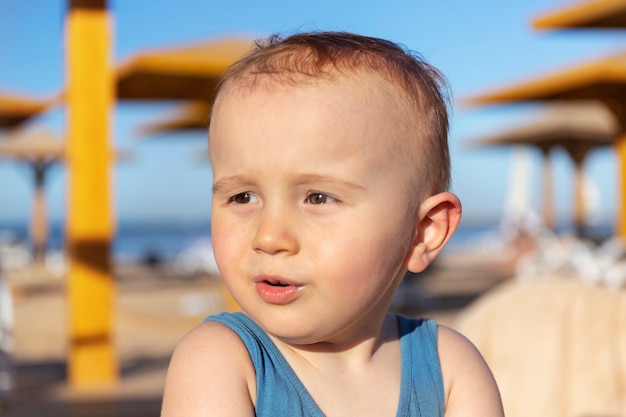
x: 300, y: 179
x: 228, y: 182
x: 317, y: 178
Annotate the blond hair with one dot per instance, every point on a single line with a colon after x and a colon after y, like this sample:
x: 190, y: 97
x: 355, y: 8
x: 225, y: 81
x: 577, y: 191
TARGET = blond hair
x: 313, y: 55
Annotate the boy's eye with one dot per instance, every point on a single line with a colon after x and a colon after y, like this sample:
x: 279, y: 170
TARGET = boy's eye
x: 242, y: 198
x: 318, y: 198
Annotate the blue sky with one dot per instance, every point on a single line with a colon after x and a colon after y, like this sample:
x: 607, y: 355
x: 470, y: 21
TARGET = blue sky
x: 479, y: 45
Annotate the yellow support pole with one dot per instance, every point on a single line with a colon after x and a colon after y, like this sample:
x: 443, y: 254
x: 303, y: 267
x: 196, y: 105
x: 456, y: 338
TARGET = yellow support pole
x: 92, y: 360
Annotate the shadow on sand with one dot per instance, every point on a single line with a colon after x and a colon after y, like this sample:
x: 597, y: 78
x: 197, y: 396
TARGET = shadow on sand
x: 37, y: 387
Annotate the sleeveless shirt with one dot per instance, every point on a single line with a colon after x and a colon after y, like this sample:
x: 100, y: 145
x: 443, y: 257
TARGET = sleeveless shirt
x: 281, y: 393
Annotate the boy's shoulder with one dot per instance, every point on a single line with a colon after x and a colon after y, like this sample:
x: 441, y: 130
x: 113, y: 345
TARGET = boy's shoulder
x: 210, y: 335
x: 208, y: 350
x: 469, y: 383
x: 215, y: 344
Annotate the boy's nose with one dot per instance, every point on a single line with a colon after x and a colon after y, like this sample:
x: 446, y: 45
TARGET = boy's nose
x: 275, y: 234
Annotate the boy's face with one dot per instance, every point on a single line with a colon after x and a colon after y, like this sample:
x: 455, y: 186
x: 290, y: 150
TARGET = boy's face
x: 310, y: 218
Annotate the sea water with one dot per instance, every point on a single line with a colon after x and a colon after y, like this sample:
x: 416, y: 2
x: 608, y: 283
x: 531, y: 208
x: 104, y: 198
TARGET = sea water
x: 140, y: 241
x: 132, y: 241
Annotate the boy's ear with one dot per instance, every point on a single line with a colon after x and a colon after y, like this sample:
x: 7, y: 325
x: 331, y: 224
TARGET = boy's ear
x: 437, y: 219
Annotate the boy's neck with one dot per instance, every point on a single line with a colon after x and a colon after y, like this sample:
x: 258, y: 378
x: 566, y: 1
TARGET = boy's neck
x: 363, y: 375
x: 359, y: 349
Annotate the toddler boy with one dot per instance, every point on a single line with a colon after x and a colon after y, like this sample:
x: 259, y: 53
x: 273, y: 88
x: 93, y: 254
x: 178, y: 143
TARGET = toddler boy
x: 330, y: 168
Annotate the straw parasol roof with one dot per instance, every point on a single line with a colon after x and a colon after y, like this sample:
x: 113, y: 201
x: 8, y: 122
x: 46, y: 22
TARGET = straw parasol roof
x: 39, y: 145
x: 189, y: 116
x: 603, y: 80
x: 188, y: 72
x: 597, y: 14
x: 570, y: 125
x: 578, y: 128
x: 179, y: 73
x: 15, y: 109
x: 40, y: 150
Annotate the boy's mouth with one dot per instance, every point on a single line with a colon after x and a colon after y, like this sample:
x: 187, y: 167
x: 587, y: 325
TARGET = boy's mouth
x: 277, y: 290
x: 274, y: 283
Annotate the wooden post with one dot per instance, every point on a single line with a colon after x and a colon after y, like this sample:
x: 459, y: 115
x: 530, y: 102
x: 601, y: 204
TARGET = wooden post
x: 547, y: 192
x: 580, y: 204
x: 39, y: 219
x: 92, y: 360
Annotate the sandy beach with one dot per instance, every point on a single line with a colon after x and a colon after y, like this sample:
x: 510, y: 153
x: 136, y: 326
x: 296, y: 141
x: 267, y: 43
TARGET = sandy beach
x: 155, y: 307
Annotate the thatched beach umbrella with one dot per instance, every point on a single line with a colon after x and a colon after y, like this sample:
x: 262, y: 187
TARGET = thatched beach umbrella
x: 603, y: 80
x: 15, y: 109
x: 575, y: 127
x: 595, y: 14
x: 188, y: 117
x: 187, y: 72
x: 39, y: 150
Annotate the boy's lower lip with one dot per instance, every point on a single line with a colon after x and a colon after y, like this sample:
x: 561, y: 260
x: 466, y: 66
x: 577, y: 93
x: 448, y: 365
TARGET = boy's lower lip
x: 277, y: 294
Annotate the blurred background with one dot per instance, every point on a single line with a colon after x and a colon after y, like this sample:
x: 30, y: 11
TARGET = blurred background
x: 523, y: 215
x: 479, y: 46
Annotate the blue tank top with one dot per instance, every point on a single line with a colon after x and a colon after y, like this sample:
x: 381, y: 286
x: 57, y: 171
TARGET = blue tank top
x: 280, y: 392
